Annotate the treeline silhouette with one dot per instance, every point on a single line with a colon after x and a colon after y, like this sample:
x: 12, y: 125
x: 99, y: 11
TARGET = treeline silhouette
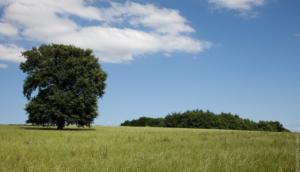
x: 206, y: 119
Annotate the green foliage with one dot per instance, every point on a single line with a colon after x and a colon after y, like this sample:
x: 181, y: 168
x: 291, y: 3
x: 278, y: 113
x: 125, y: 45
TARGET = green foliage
x: 145, y: 121
x: 206, y: 119
x: 62, y: 85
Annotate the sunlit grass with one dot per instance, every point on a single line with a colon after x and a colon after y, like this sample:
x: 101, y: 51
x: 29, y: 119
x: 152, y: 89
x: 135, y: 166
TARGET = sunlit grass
x: 145, y: 149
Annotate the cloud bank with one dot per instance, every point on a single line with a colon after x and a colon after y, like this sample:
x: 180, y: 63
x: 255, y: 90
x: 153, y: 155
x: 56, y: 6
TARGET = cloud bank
x: 117, y: 33
x: 11, y: 53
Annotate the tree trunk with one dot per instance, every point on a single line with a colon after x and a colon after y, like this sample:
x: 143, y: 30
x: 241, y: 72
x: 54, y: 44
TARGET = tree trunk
x: 60, y: 123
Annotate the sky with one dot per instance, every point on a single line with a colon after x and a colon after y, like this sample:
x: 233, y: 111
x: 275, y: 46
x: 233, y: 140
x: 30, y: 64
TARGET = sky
x: 163, y: 56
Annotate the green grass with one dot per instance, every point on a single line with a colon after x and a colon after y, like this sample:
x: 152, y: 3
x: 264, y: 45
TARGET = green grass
x: 146, y: 149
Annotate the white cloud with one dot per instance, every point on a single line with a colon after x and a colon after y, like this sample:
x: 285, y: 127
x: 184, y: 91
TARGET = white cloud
x: 3, y: 66
x: 161, y: 20
x: 11, y: 53
x: 242, y: 6
x: 120, y: 32
x: 7, y: 29
x: 297, y: 35
x: 117, y: 45
x: 5, y: 2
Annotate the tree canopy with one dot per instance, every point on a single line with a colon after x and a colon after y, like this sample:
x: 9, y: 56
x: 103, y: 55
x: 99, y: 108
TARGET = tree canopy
x: 62, y: 85
x: 206, y: 119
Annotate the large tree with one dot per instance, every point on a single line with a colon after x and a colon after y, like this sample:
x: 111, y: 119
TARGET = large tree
x: 63, y: 84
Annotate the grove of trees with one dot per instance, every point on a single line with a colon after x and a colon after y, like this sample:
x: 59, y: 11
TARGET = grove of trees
x: 62, y: 85
x: 206, y: 119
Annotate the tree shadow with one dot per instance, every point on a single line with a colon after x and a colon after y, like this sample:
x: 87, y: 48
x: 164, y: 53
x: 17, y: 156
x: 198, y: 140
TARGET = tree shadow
x: 55, y: 129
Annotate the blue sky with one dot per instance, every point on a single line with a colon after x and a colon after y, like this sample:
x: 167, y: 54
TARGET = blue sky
x: 166, y: 56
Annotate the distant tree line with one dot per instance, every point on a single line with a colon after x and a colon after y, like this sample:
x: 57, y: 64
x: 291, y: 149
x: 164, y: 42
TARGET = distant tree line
x: 206, y: 119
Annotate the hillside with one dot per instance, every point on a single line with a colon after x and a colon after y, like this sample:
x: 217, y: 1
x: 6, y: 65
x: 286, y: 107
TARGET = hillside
x: 145, y: 149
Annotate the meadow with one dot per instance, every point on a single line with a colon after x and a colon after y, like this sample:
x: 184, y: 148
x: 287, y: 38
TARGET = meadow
x: 145, y: 149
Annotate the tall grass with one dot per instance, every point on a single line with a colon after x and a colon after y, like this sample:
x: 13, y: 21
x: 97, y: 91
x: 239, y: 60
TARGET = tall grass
x: 145, y: 149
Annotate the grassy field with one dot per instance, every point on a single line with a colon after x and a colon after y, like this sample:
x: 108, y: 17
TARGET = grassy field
x: 146, y: 149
